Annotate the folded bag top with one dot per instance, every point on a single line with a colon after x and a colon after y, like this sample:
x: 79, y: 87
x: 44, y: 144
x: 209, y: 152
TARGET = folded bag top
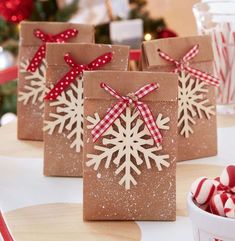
x: 28, y: 38
x: 126, y: 85
x: 152, y: 58
x: 84, y: 53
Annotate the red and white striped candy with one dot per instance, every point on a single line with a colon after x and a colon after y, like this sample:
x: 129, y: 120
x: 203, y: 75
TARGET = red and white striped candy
x: 227, y: 177
x: 202, y: 190
x: 220, y: 188
x: 229, y: 207
x: 217, y: 203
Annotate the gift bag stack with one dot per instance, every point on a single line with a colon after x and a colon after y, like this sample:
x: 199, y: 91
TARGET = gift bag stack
x: 122, y: 131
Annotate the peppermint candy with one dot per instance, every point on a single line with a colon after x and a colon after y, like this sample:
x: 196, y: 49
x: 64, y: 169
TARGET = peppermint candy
x: 217, y: 203
x: 227, y: 177
x: 229, y: 207
x: 202, y: 190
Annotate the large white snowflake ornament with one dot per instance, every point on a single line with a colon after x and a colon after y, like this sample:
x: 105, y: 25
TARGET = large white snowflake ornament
x: 35, y: 89
x: 69, y: 114
x: 128, y: 144
x: 192, y: 103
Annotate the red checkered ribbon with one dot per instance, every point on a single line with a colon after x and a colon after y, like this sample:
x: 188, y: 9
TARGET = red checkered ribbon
x: 183, y: 64
x: 125, y: 101
x: 48, y: 38
x: 75, y: 71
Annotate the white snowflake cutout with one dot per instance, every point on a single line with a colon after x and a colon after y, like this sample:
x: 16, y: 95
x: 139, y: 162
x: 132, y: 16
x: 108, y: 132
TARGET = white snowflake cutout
x: 69, y: 114
x: 192, y: 103
x: 128, y: 144
x: 35, y: 89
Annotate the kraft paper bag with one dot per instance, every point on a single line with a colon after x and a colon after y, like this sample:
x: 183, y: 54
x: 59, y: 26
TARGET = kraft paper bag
x: 197, y: 133
x: 127, y: 176
x: 63, y: 122
x: 31, y: 84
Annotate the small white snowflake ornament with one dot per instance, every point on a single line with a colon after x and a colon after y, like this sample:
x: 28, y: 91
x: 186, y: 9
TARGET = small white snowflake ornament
x: 35, y: 89
x: 68, y: 115
x: 128, y: 144
x: 192, y: 103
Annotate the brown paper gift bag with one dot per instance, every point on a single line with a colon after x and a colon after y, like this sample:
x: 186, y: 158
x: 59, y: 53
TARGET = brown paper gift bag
x: 31, y: 84
x: 197, y: 104
x: 64, y: 117
x: 126, y: 175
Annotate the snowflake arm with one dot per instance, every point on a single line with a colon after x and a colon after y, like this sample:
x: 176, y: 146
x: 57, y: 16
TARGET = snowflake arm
x: 207, y: 110
x: 35, y: 90
x: 162, y: 122
x: 93, y: 121
x: 127, y: 179
x: 57, y: 121
x: 106, y: 154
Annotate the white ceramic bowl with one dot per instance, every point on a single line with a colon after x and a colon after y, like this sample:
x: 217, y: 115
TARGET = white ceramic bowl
x: 210, y: 227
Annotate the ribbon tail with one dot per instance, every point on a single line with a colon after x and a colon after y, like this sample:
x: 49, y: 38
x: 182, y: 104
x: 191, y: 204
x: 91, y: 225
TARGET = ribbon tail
x: 37, y: 59
x: 165, y: 56
x: 65, y: 35
x: 145, y: 90
x: 209, y: 79
x: 191, y: 53
x: 69, y: 60
x: 41, y: 35
x: 101, y: 61
x: 62, y: 85
x: 111, y: 91
x: 150, y: 122
x: 108, y: 120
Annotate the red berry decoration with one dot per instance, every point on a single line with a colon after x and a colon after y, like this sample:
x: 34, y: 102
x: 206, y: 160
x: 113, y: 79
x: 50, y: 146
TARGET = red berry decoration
x: 15, y: 11
x: 166, y: 33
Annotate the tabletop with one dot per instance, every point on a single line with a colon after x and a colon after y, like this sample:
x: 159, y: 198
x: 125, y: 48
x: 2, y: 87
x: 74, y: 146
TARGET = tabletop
x: 39, y: 208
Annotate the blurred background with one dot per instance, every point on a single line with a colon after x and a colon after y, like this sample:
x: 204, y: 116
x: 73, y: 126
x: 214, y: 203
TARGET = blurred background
x: 141, y: 20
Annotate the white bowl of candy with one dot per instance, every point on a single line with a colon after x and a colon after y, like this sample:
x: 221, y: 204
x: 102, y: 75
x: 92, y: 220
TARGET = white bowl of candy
x: 211, y: 205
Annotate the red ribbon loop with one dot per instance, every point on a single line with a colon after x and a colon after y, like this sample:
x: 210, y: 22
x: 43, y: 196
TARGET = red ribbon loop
x: 75, y: 71
x: 48, y: 38
x: 183, y: 64
x: 125, y: 101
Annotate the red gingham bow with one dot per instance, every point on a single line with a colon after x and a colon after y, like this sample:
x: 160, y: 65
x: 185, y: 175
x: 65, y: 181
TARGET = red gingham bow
x: 48, y: 38
x: 76, y: 70
x: 124, y: 102
x: 183, y: 64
